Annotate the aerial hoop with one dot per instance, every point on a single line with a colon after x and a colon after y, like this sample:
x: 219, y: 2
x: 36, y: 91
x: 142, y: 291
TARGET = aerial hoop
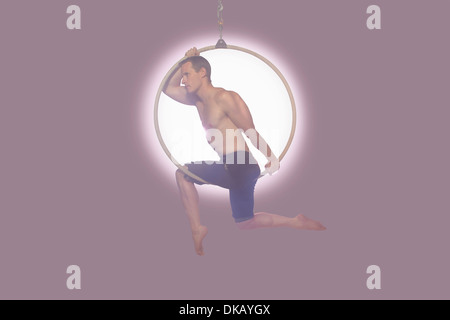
x: 221, y: 45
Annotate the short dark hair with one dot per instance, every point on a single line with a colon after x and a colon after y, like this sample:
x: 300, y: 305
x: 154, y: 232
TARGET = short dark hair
x: 198, y: 62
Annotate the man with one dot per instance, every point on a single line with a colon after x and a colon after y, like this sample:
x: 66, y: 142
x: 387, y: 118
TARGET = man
x: 222, y: 112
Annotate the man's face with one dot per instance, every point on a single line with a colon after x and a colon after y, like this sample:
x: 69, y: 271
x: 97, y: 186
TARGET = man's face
x: 191, y: 78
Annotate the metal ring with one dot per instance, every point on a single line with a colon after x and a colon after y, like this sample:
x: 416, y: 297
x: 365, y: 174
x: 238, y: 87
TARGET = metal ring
x: 175, y: 66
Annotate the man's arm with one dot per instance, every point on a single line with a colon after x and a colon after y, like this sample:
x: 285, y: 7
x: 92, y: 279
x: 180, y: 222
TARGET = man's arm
x: 173, y: 86
x: 237, y: 110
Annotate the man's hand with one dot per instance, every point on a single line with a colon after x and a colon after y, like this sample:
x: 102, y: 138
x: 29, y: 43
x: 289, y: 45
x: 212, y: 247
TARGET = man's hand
x: 192, y: 52
x: 272, y: 166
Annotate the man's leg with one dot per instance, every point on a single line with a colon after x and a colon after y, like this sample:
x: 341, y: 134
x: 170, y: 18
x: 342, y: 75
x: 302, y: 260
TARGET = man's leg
x: 270, y: 220
x: 190, y: 199
x: 242, y: 203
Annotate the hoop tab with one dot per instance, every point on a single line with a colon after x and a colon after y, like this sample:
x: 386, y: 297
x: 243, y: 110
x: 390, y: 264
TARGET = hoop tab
x: 221, y: 44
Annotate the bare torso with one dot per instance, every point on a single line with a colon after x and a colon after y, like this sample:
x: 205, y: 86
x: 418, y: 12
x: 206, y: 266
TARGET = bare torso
x: 222, y: 134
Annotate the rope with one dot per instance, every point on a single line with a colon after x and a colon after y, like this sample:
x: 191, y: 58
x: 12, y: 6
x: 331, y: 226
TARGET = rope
x: 221, y: 43
x: 220, y: 17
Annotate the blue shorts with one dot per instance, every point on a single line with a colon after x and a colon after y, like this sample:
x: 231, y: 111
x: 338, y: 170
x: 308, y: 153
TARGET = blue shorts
x: 237, y: 172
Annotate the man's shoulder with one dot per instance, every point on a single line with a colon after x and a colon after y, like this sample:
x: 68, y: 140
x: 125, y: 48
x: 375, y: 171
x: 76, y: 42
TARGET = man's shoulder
x: 226, y: 96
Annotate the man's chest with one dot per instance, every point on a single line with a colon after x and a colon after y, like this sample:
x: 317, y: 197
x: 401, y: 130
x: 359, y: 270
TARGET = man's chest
x: 211, y: 115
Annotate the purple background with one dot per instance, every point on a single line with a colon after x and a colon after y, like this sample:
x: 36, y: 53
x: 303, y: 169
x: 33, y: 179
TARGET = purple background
x: 78, y: 187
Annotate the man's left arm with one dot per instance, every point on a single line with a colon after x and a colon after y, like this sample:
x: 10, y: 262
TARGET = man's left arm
x: 237, y: 110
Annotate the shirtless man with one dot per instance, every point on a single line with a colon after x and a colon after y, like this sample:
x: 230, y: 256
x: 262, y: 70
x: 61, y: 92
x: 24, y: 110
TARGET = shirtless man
x: 222, y: 112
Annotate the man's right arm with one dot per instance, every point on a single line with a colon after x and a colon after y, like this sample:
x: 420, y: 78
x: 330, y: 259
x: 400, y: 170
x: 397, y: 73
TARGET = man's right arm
x: 173, y: 87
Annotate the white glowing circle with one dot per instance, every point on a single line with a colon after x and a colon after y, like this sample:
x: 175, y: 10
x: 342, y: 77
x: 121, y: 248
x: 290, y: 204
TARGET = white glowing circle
x: 261, y: 86
x: 155, y: 71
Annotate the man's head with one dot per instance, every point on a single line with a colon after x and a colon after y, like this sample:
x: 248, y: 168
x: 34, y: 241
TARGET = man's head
x: 196, y: 64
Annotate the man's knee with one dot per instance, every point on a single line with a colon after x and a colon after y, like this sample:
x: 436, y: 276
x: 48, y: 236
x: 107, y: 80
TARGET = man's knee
x: 181, y: 177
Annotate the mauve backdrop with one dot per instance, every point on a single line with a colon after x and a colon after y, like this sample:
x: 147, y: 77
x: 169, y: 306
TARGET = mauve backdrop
x: 77, y: 185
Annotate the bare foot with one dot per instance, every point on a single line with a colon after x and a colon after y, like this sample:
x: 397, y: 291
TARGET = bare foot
x: 198, y: 236
x: 305, y: 223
